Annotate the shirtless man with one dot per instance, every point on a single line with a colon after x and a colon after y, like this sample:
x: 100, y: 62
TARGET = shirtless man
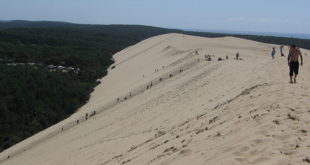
x: 293, y: 62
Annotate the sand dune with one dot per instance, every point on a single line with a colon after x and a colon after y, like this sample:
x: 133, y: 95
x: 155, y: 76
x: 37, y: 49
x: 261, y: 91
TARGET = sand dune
x: 163, y: 103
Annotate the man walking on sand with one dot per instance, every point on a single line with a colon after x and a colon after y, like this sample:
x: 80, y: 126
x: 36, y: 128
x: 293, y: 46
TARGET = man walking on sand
x: 293, y: 62
x: 281, y: 50
x: 273, y: 53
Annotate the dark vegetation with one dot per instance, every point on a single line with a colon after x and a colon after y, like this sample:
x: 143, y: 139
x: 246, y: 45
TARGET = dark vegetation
x: 33, y: 98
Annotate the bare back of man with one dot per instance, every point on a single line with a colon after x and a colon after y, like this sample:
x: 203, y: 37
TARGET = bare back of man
x: 293, y: 62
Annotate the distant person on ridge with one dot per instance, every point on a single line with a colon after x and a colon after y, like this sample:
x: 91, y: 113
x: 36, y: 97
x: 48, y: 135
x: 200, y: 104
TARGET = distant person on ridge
x: 209, y: 58
x: 273, y: 53
x: 281, y: 50
x: 237, y: 56
x: 293, y: 62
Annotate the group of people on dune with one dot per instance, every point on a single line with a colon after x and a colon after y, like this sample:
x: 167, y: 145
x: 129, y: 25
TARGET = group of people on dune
x: 292, y: 60
x: 208, y: 57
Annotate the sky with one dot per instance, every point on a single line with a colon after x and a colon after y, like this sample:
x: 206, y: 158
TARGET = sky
x: 281, y: 16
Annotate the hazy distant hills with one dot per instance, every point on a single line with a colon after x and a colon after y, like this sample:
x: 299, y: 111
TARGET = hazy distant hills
x: 27, y: 24
x: 52, y: 24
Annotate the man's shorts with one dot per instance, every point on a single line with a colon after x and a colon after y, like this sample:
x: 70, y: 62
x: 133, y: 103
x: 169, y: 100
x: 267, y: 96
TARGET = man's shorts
x: 294, y: 67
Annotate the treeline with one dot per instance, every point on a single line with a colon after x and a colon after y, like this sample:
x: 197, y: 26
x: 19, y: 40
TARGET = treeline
x: 33, y: 98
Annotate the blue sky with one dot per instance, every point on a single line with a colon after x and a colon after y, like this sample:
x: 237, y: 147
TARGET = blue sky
x: 283, y: 16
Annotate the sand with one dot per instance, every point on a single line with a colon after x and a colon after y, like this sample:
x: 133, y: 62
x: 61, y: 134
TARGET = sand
x: 163, y: 103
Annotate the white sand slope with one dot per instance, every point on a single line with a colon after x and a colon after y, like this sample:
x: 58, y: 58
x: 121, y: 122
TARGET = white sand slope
x: 194, y: 112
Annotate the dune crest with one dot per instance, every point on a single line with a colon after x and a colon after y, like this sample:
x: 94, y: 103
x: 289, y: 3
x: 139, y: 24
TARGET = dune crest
x: 164, y: 103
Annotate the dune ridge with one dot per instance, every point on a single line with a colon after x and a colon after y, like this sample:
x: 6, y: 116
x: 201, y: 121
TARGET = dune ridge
x: 163, y: 103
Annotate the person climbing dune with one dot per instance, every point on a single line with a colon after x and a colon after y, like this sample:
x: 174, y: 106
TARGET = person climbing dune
x: 293, y: 62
